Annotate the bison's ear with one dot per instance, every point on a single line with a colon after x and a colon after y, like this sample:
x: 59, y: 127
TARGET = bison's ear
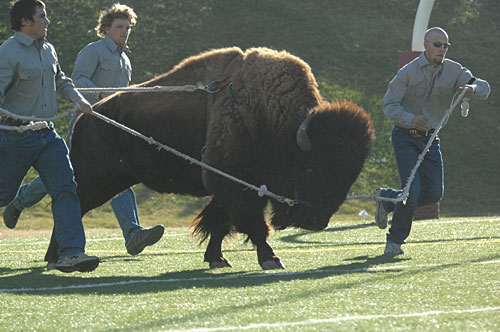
x: 303, y: 140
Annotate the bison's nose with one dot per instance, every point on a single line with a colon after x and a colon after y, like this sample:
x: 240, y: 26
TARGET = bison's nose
x: 317, y: 224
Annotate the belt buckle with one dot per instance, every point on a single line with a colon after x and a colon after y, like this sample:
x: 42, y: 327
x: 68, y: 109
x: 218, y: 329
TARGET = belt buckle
x: 414, y: 133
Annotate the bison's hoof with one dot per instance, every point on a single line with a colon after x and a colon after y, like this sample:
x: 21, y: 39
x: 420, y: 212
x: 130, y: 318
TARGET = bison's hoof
x: 219, y: 264
x: 273, y: 264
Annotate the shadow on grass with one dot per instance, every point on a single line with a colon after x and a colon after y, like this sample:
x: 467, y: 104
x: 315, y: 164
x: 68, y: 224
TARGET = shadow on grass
x: 54, y: 282
x: 38, y: 280
x: 295, y: 238
x: 320, y: 244
x: 292, y: 296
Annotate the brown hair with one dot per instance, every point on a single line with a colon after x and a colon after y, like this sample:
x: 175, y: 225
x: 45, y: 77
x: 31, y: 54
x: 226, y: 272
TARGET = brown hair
x: 106, y: 18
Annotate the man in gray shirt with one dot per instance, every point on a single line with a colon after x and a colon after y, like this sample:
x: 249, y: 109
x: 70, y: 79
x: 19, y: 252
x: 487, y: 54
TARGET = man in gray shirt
x: 101, y: 64
x: 416, y: 101
x: 30, y: 75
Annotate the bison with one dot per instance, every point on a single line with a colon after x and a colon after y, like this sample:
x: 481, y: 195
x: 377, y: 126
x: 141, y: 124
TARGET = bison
x: 264, y: 122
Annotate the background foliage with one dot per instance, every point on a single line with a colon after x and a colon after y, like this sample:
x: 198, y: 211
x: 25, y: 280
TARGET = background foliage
x: 351, y: 47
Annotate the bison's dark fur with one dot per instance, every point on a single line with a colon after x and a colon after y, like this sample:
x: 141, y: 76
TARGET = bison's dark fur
x: 248, y: 130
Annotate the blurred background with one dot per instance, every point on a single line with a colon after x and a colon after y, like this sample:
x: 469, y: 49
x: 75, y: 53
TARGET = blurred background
x: 352, y: 48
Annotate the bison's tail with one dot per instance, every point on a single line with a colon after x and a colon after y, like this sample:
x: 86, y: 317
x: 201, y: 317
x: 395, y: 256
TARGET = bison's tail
x: 212, y: 220
x: 200, y: 230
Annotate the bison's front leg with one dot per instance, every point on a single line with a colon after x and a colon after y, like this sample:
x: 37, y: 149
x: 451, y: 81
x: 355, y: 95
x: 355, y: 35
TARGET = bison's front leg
x: 252, y: 222
x: 266, y: 256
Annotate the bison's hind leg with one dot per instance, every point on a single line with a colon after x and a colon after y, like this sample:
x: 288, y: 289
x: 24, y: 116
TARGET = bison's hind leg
x: 213, y: 222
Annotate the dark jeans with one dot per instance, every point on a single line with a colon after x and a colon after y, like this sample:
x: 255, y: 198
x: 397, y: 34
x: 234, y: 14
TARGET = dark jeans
x: 427, y: 186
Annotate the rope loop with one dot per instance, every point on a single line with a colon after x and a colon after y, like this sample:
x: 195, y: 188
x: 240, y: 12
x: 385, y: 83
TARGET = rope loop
x: 212, y: 87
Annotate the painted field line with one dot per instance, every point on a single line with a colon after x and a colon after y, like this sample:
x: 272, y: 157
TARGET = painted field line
x: 112, y: 251
x: 88, y: 240
x: 232, y: 277
x: 340, y: 319
x: 306, y: 250
x: 456, y: 221
x: 298, y: 250
x: 185, y: 232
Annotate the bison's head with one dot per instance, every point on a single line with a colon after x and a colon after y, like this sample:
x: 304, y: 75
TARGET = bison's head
x: 332, y: 143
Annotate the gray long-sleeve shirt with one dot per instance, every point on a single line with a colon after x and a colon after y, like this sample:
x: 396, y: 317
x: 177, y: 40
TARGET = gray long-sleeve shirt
x: 411, y: 92
x: 101, y: 64
x: 31, y: 78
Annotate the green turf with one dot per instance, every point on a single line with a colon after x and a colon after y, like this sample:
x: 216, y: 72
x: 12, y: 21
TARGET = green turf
x: 337, y: 279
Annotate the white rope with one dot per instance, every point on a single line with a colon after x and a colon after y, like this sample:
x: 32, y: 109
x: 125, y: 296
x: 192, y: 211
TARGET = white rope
x: 182, y: 88
x: 406, y: 191
x: 261, y: 191
x: 34, y: 122
x: 40, y: 123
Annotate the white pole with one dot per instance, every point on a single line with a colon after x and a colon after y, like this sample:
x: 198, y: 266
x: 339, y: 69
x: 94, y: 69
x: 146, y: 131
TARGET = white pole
x: 421, y: 22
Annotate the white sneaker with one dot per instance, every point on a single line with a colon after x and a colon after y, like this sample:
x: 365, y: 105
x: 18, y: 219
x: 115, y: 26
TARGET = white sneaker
x: 393, y: 249
x: 80, y: 262
x: 381, y: 214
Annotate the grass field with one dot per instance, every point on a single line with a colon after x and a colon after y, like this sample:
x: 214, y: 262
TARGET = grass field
x: 336, y: 280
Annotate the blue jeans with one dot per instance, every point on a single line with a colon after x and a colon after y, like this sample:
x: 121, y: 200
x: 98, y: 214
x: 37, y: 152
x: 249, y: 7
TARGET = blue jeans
x: 46, y: 151
x: 427, y: 186
x: 124, y: 204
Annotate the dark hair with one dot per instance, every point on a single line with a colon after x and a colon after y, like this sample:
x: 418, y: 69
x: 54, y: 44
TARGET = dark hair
x: 23, y: 9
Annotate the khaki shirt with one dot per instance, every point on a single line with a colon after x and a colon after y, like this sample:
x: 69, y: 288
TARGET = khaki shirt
x: 101, y: 64
x: 31, y: 78
x: 421, y: 89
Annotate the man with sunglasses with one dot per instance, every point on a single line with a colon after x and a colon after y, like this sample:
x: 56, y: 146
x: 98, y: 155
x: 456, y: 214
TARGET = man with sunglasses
x: 415, y: 102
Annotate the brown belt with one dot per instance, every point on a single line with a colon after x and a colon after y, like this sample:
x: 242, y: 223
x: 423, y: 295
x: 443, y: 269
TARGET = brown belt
x: 14, y: 122
x: 17, y: 123
x: 415, y: 133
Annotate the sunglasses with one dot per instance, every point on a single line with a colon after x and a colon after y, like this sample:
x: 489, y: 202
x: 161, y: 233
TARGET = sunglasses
x: 439, y: 44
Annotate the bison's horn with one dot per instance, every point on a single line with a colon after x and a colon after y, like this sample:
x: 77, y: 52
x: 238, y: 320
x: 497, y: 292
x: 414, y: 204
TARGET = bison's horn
x: 303, y: 140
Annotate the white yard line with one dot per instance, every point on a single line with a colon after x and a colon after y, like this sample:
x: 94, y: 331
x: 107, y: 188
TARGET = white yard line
x: 338, y: 319
x: 90, y: 239
x: 455, y: 221
x: 215, y: 278
x: 183, y: 232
